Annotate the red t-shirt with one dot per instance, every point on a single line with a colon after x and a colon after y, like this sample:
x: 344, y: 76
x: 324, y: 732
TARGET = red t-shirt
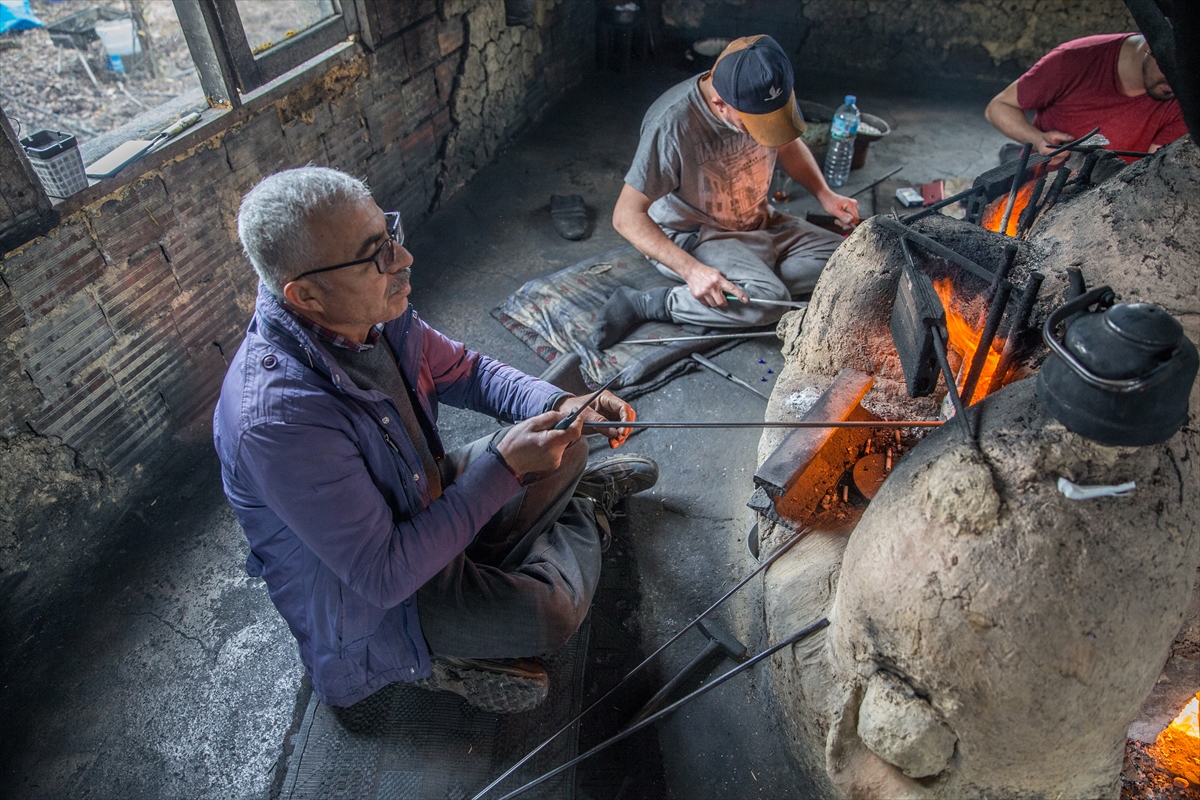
x: 1074, y: 88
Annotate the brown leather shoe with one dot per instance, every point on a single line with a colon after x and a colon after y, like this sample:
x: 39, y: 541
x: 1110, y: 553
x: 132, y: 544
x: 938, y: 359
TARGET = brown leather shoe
x: 499, y: 685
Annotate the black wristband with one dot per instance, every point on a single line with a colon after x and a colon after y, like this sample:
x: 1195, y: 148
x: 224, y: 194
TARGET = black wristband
x: 495, y: 451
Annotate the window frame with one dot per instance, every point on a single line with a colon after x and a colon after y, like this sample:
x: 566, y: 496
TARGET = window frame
x: 224, y: 61
x: 230, y: 76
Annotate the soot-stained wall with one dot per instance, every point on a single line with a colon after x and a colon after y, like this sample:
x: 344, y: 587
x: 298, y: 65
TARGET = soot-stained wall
x: 116, y: 327
x: 903, y: 40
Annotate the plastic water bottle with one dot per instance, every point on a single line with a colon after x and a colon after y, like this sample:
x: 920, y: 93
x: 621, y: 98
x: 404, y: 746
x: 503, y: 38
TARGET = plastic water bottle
x: 116, y: 64
x: 841, y: 143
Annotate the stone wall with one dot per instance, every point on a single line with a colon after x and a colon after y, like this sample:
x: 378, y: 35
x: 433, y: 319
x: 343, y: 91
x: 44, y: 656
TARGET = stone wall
x: 116, y: 327
x: 904, y: 40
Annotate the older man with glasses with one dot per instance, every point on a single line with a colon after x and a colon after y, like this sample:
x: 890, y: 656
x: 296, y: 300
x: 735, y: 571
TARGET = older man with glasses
x: 390, y: 558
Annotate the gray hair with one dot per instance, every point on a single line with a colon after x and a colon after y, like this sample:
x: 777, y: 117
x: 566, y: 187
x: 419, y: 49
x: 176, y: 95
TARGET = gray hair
x: 273, y: 220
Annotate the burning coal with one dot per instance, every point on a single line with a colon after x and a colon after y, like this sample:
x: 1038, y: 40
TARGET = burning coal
x: 994, y: 213
x: 965, y: 339
x: 1177, y: 749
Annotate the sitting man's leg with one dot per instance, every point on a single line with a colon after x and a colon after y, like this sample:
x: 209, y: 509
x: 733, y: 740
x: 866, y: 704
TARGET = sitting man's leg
x: 524, y: 585
x: 802, y: 251
x: 743, y: 257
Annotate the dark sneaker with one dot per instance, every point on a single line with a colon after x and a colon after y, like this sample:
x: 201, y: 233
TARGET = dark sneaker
x: 499, y: 685
x: 610, y: 481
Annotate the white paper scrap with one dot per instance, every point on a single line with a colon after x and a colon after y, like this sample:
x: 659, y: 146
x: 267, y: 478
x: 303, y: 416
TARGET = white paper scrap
x: 1075, y: 492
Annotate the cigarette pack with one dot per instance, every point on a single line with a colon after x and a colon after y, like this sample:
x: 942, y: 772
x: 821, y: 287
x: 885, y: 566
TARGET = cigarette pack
x: 909, y: 197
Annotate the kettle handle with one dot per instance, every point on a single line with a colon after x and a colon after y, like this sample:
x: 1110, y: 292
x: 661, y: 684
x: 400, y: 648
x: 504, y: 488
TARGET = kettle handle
x: 1102, y: 297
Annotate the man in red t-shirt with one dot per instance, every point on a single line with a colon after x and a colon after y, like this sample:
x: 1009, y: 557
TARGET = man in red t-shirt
x: 1112, y: 81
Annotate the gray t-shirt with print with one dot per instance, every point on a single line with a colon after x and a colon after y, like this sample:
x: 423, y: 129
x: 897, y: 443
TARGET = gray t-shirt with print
x: 696, y: 169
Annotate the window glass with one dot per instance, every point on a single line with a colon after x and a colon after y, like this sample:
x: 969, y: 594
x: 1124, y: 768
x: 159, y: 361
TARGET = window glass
x: 271, y: 22
x: 62, y: 75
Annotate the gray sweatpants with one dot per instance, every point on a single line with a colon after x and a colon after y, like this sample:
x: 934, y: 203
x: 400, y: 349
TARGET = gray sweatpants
x: 524, y: 584
x: 771, y: 263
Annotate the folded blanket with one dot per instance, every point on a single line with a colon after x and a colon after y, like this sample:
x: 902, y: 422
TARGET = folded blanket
x: 554, y: 315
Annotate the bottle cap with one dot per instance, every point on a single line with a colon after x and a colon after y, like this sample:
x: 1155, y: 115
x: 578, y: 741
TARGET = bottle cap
x: 850, y: 99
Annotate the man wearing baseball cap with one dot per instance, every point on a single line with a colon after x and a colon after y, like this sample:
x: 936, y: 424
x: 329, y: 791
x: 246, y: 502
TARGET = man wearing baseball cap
x: 695, y: 199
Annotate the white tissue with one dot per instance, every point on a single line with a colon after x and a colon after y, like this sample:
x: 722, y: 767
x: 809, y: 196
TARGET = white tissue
x: 1074, y: 492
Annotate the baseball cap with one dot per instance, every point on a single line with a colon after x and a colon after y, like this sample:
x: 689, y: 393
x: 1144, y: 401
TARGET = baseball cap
x: 754, y: 76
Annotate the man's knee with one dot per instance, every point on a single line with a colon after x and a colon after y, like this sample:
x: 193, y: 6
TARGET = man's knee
x: 558, y: 623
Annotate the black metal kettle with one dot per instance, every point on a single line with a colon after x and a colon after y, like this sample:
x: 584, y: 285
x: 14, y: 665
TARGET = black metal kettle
x: 1120, y: 374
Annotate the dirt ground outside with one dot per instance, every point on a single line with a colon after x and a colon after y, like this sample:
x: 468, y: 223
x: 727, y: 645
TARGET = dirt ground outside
x: 43, y: 85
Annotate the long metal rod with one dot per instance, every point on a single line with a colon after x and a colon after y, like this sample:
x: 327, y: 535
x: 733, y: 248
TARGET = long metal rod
x: 986, y: 337
x: 625, y: 734
x: 1016, y: 328
x: 1018, y: 179
x: 779, y: 551
x: 726, y: 374
x: 713, y: 337
x: 1089, y: 149
x: 764, y: 302
x: 939, y: 347
x: 935, y: 247
x: 1072, y: 143
x: 876, y: 182
x: 939, y: 205
x: 1025, y: 220
x: 569, y: 419
x: 849, y: 423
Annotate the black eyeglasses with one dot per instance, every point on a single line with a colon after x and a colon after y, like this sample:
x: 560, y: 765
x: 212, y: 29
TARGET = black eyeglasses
x: 384, y: 257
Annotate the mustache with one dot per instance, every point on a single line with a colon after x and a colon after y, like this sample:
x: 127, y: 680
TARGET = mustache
x: 399, y: 281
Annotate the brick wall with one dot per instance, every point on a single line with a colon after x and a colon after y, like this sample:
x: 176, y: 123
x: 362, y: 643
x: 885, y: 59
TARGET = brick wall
x: 909, y: 41
x: 116, y: 327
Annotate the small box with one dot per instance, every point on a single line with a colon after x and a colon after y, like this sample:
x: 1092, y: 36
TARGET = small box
x: 909, y: 197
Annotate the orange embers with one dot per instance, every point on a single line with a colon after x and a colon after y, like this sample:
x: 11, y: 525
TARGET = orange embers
x: 965, y: 339
x: 1177, y: 749
x: 995, y: 210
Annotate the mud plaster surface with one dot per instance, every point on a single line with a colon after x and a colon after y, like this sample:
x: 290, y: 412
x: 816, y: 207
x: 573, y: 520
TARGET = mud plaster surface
x: 1139, y: 233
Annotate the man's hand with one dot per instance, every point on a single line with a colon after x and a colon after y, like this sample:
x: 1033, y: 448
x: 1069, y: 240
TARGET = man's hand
x: 606, y: 407
x: 534, y: 446
x: 844, y: 209
x: 709, y: 286
x: 1050, y: 140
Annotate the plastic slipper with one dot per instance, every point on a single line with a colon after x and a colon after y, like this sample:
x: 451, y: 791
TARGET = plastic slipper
x: 569, y: 215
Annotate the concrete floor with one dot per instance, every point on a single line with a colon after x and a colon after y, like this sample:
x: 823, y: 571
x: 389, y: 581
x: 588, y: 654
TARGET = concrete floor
x: 165, y: 672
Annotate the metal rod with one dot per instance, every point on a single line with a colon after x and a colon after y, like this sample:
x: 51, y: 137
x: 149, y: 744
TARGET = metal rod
x: 939, y: 347
x: 1025, y: 221
x: 1073, y: 142
x: 986, y: 337
x: 1016, y: 328
x: 848, y: 423
x: 1001, y: 275
x: 935, y: 247
x: 875, y: 183
x: 726, y: 374
x: 1084, y: 176
x: 714, y: 337
x: 1060, y: 180
x: 933, y: 209
x: 1099, y: 149
x: 625, y: 734
x: 1018, y: 177
x: 788, y: 303
x: 775, y: 556
x: 569, y: 419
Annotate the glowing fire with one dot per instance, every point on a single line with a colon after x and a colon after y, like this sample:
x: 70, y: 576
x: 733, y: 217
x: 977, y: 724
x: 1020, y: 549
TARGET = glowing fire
x: 995, y: 210
x: 1177, y: 749
x: 965, y: 339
